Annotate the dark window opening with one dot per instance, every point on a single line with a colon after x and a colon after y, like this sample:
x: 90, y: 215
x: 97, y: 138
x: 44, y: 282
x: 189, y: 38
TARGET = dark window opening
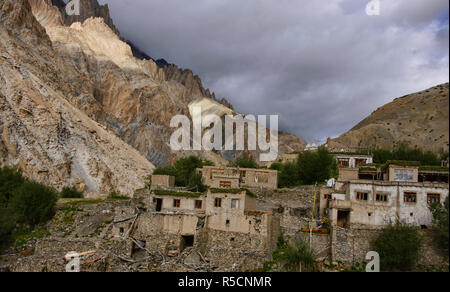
x: 366, y: 176
x: 176, y: 203
x: 187, y: 241
x: 159, y: 205
x: 382, y: 197
x: 362, y: 196
x: 343, y: 218
x: 198, y: 204
x: 218, y: 202
x: 227, y: 223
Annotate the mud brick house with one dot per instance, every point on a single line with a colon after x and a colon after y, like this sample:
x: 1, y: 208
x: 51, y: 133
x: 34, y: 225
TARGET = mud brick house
x: 349, y: 160
x: 220, y: 224
x: 230, y: 177
x: 379, y: 195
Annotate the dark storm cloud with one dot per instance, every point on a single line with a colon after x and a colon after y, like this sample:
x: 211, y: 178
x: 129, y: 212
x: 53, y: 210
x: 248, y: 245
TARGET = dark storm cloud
x: 321, y: 65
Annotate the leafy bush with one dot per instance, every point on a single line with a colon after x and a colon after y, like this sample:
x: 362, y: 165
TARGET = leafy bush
x: 196, y: 183
x: 232, y: 191
x: 245, y: 162
x: 441, y: 223
x: 399, y: 246
x: 177, y: 194
x: 298, y: 257
x: 33, y: 203
x: 6, y: 225
x: 292, y: 257
x: 315, y: 166
x: 10, y: 180
x: 185, y: 172
x: 114, y: 195
x: 71, y: 193
x: 288, y: 176
x: 402, y: 151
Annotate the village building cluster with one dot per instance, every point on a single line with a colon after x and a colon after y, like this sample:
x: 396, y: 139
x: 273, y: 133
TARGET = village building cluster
x: 225, y: 224
x: 380, y: 195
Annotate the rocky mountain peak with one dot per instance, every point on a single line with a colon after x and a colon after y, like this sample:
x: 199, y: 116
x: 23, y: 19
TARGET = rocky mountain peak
x: 88, y: 9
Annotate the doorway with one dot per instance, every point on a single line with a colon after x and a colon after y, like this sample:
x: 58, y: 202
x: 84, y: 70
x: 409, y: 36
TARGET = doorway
x: 186, y: 241
x: 343, y: 218
x: 159, y: 205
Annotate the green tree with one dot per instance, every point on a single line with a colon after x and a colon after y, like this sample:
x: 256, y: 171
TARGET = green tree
x: 245, y: 162
x: 297, y: 256
x: 10, y: 180
x: 315, y: 166
x: 441, y: 223
x: 70, y: 193
x: 402, y: 151
x: 185, y: 168
x: 398, y: 246
x: 170, y: 170
x: 196, y: 183
x: 288, y: 175
x: 6, y: 225
x: 382, y: 156
x: 33, y: 203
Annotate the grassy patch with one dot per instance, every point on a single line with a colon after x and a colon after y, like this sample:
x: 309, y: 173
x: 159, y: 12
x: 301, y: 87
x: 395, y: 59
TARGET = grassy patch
x: 177, y: 194
x: 21, y: 236
x: 232, y: 191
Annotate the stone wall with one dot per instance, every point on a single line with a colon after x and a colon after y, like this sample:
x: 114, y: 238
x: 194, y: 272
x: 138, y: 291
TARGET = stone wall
x: 351, y: 245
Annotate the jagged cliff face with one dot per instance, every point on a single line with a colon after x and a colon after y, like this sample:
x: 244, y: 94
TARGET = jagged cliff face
x: 77, y: 108
x: 50, y: 139
x: 420, y: 119
x: 134, y: 98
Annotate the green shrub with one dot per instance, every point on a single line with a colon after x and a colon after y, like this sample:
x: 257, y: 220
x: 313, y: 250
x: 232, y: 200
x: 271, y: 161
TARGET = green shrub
x: 441, y: 223
x: 185, y: 171
x: 6, y: 225
x: 316, y: 166
x: 402, y: 151
x: 232, y: 191
x: 33, y: 203
x: 177, y: 194
x: 245, y: 162
x: 10, y: 180
x: 289, y: 175
x: 398, y: 246
x: 296, y: 256
x: 114, y: 195
x: 70, y: 193
x: 196, y: 183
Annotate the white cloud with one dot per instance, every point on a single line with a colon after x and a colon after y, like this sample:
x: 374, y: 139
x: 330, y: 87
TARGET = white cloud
x: 323, y: 65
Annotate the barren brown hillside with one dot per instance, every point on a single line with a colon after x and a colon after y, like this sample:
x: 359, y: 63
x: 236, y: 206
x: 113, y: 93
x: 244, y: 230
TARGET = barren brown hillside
x: 422, y: 119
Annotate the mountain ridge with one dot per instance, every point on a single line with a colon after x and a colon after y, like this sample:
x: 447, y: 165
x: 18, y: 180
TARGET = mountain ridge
x: 420, y: 119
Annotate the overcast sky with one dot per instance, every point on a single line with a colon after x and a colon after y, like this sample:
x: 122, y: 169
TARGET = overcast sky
x: 322, y: 65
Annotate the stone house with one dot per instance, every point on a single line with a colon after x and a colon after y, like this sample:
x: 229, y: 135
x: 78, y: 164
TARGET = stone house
x: 163, y: 181
x: 221, y: 225
x: 232, y: 177
x: 374, y: 196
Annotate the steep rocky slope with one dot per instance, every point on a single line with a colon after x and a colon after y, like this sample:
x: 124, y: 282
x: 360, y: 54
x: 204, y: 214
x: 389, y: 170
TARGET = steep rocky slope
x: 422, y: 119
x: 41, y: 131
x: 134, y: 98
x: 74, y: 99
